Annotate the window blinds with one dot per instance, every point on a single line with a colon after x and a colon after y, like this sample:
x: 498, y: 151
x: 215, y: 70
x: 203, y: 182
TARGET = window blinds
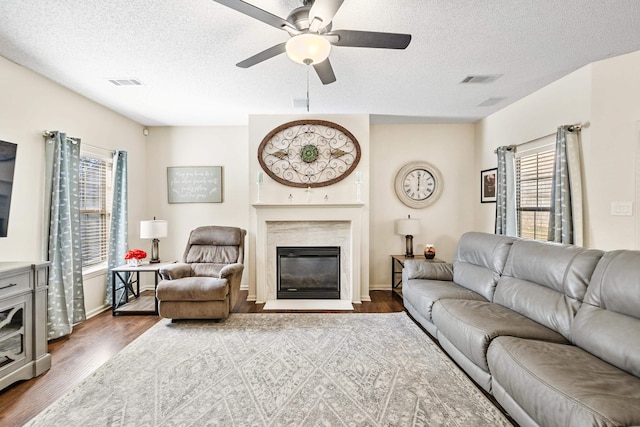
x: 534, y: 174
x: 95, y: 206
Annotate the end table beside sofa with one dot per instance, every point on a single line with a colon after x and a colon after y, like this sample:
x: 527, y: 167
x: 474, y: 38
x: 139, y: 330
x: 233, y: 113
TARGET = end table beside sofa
x: 551, y: 331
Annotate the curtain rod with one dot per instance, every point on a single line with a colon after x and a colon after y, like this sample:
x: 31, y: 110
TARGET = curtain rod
x: 576, y: 127
x: 49, y: 134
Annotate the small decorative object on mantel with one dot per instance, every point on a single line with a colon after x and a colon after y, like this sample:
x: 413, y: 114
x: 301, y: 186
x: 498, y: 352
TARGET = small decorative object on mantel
x: 134, y: 257
x: 358, y: 187
x: 429, y: 251
x: 259, y: 181
x: 309, y: 153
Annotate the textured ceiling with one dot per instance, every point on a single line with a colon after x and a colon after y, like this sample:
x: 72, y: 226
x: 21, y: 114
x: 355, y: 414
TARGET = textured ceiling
x: 184, y: 52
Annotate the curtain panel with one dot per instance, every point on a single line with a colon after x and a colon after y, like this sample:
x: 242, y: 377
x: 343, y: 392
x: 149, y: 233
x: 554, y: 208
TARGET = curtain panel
x: 118, y: 228
x: 565, y: 216
x: 506, y: 218
x: 65, y: 293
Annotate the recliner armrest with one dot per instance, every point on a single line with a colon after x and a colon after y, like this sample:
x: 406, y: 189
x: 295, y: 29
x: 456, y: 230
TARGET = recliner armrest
x: 175, y: 271
x: 418, y: 269
x: 231, y: 269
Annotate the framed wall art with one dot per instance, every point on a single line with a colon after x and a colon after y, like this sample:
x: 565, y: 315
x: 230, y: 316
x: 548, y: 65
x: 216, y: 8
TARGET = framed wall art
x: 199, y: 184
x: 309, y: 153
x: 488, y: 182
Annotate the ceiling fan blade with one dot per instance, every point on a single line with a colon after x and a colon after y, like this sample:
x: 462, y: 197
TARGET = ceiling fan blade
x: 263, y: 56
x: 325, y: 72
x: 322, y: 12
x: 257, y: 13
x: 354, y: 38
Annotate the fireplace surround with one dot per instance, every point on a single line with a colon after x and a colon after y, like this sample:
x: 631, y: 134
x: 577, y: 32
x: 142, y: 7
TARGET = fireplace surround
x: 310, y: 224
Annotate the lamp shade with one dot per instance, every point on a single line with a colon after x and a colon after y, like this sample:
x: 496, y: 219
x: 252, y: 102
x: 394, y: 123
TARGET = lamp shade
x: 408, y: 226
x: 308, y: 48
x: 153, y: 229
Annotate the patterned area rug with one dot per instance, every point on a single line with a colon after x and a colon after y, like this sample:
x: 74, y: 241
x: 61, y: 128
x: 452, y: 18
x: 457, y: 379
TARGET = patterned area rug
x: 278, y: 370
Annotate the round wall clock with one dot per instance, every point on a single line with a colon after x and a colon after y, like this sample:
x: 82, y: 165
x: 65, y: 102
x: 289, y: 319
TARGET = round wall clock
x: 418, y: 184
x: 309, y: 153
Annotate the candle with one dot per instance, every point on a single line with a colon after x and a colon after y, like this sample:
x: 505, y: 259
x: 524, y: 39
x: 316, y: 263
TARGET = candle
x: 358, y: 177
x: 260, y: 178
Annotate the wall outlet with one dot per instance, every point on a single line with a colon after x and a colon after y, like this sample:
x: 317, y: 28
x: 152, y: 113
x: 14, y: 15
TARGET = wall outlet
x: 621, y: 208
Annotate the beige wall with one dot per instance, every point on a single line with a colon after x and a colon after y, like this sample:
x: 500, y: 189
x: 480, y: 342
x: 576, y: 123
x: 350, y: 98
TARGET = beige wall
x: 611, y: 160
x: 448, y: 147
x: 196, y: 146
x: 31, y: 104
x: 607, y: 95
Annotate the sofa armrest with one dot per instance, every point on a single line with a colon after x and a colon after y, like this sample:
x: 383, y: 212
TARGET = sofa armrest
x: 419, y: 269
x: 175, y: 271
x: 231, y: 269
x: 233, y: 274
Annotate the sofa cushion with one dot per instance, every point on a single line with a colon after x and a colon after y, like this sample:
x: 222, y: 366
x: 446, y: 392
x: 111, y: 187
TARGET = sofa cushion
x: 421, y: 294
x: 479, y: 261
x: 562, y: 385
x: 546, y: 282
x: 193, y: 289
x: 212, y: 254
x: 207, y: 269
x: 471, y: 326
x: 608, y: 321
x: 421, y: 269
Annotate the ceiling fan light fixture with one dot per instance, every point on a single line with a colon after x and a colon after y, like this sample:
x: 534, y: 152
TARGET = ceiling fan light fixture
x: 308, y: 49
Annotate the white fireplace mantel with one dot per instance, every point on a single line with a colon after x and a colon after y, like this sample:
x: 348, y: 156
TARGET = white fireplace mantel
x: 309, y: 224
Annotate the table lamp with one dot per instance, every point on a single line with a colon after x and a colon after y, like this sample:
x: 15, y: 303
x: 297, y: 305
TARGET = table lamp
x: 153, y: 229
x: 408, y: 227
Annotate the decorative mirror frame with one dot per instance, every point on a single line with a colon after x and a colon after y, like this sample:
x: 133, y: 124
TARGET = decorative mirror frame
x: 309, y: 153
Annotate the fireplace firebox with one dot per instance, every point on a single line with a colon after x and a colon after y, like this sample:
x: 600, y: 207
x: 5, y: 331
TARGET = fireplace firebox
x: 308, y: 272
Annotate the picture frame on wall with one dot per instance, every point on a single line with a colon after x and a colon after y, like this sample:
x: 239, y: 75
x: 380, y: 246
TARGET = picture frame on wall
x: 488, y: 185
x: 199, y: 184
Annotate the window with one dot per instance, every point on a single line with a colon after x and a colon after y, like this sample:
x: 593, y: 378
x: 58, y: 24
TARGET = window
x: 95, y: 208
x: 534, y: 174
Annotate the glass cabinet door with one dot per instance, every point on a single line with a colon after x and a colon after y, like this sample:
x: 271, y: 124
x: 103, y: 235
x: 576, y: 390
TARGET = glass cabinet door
x: 12, y: 334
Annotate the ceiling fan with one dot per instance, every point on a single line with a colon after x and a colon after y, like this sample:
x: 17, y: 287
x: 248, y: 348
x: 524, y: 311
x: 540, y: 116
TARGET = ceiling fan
x: 311, y: 36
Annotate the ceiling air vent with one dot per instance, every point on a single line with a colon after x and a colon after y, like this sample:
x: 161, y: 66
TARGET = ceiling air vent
x: 491, y: 101
x: 126, y: 82
x: 487, y: 78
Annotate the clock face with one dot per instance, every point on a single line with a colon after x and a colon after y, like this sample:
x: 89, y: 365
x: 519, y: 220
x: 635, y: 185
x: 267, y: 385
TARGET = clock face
x: 418, y: 184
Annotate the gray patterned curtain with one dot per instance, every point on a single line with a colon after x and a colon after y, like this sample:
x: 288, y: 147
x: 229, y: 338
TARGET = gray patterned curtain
x: 66, y: 294
x: 118, y: 228
x: 506, y: 218
x: 565, y: 217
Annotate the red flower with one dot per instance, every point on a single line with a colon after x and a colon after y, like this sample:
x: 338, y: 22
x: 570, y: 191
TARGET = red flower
x: 135, y: 254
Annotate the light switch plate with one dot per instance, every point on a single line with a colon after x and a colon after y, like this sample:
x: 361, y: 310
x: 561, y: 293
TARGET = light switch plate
x: 621, y: 208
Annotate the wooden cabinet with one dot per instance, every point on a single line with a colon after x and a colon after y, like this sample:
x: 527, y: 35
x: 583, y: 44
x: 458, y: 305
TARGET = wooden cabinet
x: 23, y: 321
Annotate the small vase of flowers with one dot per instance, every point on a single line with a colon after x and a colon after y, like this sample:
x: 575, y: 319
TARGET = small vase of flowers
x: 134, y: 257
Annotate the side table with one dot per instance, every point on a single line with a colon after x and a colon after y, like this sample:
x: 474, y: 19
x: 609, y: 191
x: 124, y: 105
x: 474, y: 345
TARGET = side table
x: 397, y: 264
x: 125, y: 292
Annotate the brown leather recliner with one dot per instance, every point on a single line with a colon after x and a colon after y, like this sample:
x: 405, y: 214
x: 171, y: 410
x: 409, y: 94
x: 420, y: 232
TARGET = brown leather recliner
x: 206, y: 284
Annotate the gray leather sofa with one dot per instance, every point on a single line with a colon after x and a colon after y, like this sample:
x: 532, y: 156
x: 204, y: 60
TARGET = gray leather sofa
x: 551, y: 331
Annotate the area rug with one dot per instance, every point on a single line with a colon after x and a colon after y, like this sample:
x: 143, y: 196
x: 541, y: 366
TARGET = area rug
x: 278, y: 370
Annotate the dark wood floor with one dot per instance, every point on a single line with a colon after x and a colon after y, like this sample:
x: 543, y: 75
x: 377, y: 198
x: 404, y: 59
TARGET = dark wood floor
x: 97, y: 340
